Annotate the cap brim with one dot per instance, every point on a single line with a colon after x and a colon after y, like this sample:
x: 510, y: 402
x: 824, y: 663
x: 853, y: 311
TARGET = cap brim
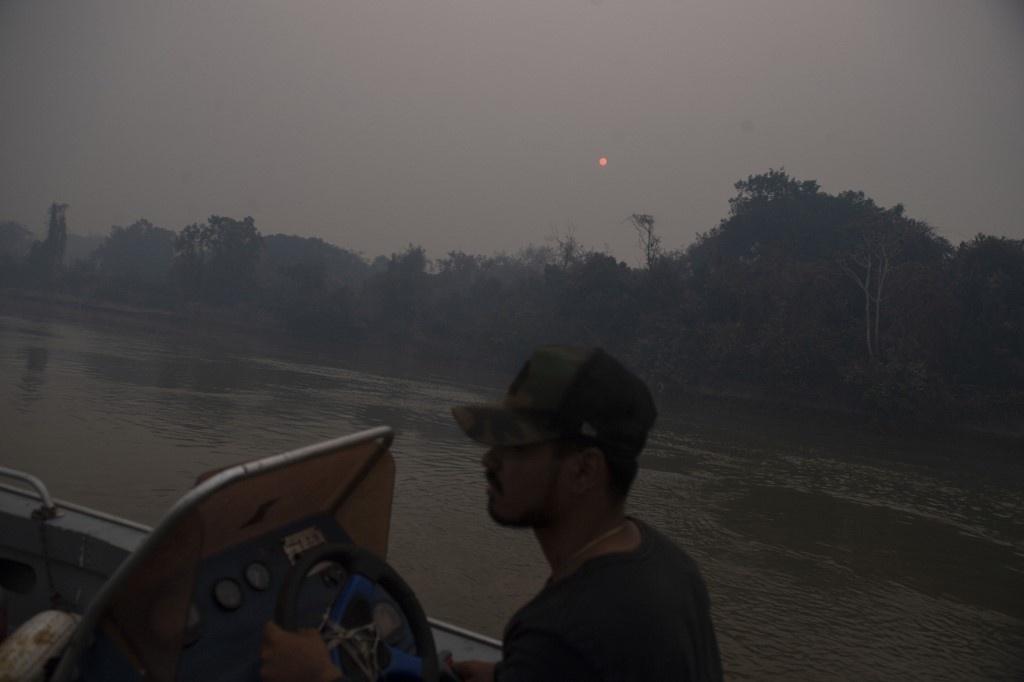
x: 497, y: 425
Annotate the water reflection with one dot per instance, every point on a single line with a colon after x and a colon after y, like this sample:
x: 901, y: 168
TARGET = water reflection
x: 34, y: 376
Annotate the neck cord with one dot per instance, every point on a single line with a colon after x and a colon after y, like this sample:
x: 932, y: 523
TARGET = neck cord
x: 590, y: 545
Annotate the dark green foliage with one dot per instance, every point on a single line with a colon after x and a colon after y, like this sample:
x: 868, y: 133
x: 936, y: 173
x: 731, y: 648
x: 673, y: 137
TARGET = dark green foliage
x: 215, y: 262
x: 897, y: 390
x: 81, y: 247
x: 15, y: 239
x: 340, y: 267
x: 133, y: 264
x: 307, y: 284
x: 807, y: 294
x: 398, y: 296
x: 988, y: 348
x: 15, y: 243
x: 797, y: 295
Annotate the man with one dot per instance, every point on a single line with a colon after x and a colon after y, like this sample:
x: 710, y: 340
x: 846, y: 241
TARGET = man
x: 622, y: 602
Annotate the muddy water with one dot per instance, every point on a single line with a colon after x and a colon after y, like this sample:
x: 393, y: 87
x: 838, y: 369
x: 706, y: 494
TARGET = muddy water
x: 829, y: 554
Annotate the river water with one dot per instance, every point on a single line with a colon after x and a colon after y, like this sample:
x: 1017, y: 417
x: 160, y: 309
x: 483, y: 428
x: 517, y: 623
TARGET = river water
x: 829, y: 553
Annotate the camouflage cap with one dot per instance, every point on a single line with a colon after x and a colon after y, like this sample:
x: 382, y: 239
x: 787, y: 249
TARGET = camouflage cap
x: 567, y: 391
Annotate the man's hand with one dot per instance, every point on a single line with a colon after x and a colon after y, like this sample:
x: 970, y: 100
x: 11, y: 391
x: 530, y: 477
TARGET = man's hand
x: 295, y: 657
x: 474, y: 671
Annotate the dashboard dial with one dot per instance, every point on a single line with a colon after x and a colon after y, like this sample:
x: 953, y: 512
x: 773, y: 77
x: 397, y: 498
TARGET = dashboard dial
x: 228, y: 594
x: 258, y: 576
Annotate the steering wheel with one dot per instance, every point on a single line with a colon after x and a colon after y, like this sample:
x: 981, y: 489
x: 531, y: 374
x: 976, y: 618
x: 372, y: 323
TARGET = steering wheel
x: 349, y: 628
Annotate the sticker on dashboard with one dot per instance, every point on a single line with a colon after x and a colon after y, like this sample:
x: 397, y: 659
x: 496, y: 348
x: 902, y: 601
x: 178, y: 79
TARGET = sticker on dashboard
x: 297, y: 543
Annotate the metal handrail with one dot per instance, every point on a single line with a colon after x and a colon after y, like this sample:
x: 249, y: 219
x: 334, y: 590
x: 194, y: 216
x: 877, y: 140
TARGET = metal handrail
x: 463, y: 632
x: 49, y: 509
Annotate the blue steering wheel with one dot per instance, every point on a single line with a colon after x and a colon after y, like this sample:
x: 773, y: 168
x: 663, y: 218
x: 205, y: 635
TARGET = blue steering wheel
x: 349, y: 630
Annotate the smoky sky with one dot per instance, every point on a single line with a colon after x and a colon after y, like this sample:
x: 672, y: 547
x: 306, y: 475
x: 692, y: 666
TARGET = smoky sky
x: 478, y: 125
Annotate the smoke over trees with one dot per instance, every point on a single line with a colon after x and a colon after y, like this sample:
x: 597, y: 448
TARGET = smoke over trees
x: 795, y: 295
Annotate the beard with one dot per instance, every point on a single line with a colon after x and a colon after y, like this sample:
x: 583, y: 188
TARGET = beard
x: 540, y: 516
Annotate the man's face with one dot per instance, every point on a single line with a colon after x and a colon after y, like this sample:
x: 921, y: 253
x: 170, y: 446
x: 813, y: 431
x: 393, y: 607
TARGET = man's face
x: 523, y: 484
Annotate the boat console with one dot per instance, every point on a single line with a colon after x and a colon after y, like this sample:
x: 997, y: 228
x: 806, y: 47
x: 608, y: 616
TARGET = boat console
x: 299, y: 538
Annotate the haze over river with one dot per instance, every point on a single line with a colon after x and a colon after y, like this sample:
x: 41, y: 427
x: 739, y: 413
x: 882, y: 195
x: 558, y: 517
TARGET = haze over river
x: 829, y: 554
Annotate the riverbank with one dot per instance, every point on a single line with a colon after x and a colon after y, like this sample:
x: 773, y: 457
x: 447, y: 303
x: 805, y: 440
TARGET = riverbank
x: 249, y: 334
x: 407, y: 358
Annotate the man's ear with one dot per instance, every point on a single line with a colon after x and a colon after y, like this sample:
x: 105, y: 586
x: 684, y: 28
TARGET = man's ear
x: 588, y: 470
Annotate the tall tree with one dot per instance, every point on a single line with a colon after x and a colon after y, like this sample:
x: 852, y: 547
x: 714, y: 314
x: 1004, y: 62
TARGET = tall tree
x: 867, y: 261
x: 989, y: 280
x: 873, y: 244
x: 235, y: 247
x: 190, y: 254
x: 649, y: 241
x: 216, y: 261
x: 46, y: 258
x: 134, y: 263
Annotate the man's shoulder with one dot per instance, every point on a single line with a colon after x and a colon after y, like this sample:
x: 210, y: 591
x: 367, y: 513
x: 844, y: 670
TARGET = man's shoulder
x: 661, y: 547
x: 658, y: 571
x: 659, y: 577
x: 633, y: 614
x: 657, y: 553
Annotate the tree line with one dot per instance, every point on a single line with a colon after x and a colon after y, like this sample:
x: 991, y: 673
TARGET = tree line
x: 796, y: 294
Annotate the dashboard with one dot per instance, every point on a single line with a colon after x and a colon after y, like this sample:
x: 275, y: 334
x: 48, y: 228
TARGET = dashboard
x: 236, y: 593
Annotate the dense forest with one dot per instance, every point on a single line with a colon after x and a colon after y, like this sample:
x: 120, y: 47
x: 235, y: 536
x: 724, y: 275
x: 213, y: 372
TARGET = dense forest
x: 796, y: 296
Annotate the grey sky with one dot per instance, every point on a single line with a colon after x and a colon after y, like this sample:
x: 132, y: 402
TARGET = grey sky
x: 477, y: 125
